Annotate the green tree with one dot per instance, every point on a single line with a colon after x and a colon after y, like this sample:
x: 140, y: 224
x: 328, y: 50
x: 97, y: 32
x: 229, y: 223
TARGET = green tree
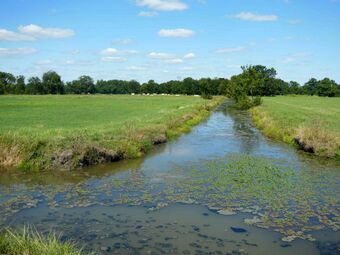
x: 327, y: 88
x: 20, y: 86
x: 34, y: 86
x: 7, y: 81
x: 311, y: 87
x: 52, y: 83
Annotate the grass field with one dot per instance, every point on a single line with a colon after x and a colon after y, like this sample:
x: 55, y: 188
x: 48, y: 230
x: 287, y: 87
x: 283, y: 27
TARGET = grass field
x: 315, y: 120
x: 40, y: 132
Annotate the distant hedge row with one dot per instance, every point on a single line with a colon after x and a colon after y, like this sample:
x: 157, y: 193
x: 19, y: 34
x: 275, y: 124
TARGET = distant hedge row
x: 255, y: 80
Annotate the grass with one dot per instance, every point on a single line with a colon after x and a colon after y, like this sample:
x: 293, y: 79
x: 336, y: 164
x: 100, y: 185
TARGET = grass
x: 30, y: 242
x: 70, y: 131
x: 313, y: 122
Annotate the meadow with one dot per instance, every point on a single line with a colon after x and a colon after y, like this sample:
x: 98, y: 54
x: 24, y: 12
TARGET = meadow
x: 70, y: 131
x: 313, y: 121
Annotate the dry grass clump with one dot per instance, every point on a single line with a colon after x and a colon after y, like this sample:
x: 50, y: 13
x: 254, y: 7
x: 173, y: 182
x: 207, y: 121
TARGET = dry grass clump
x: 316, y: 139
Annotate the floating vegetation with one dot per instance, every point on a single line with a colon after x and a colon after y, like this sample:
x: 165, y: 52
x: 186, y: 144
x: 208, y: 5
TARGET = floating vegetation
x: 291, y: 201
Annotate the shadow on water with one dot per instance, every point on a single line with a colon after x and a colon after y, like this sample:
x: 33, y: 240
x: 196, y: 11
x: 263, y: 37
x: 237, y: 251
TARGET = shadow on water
x: 155, y: 205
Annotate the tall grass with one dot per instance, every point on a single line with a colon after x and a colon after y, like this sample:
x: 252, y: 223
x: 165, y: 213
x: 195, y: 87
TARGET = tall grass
x: 30, y: 242
x: 313, y: 123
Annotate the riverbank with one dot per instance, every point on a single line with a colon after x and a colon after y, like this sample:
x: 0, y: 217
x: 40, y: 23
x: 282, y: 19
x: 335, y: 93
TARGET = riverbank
x: 308, y: 122
x: 32, y: 243
x: 68, y: 132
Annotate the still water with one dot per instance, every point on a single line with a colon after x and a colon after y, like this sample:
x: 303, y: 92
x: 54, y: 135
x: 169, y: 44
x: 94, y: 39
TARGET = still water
x: 221, y: 189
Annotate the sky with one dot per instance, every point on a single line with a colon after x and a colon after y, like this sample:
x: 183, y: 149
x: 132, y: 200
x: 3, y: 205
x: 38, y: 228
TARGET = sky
x: 170, y: 39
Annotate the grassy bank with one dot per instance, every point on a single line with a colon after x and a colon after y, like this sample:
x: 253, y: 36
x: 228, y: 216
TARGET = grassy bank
x: 72, y: 131
x: 311, y: 122
x: 32, y: 243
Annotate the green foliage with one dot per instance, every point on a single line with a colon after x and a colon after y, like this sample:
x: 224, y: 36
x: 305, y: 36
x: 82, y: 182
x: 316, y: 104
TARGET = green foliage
x: 84, y: 85
x: 30, y: 242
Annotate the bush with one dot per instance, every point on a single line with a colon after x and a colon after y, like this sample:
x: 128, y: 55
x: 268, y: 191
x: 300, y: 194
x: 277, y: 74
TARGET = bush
x: 206, y: 96
x: 246, y: 103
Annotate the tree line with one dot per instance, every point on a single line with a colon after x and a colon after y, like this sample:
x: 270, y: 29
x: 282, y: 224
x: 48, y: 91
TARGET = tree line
x: 253, y: 82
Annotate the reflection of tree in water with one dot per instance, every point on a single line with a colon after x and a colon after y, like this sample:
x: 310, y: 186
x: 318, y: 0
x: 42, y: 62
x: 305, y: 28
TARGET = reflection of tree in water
x: 243, y: 129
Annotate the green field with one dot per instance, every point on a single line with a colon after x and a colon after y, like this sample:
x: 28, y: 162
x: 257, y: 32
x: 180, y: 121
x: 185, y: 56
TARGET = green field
x: 36, y: 130
x: 285, y: 117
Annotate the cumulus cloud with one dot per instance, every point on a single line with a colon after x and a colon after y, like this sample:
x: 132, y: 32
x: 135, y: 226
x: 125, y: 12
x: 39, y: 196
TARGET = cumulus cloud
x: 187, y: 68
x: 16, y: 51
x: 294, y: 57
x: 163, y: 5
x: 160, y: 55
x: 255, y: 17
x: 189, y: 55
x: 230, y: 50
x: 135, y: 68
x: 179, y: 32
x: 113, y: 59
x: 174, y: 61
x: 109, y: 51
x: 7, y: 35
x: 147, y: 14
x: 32, y: 32
x: 40, y: 32
x: 123, y: 41
x: 114, y: 51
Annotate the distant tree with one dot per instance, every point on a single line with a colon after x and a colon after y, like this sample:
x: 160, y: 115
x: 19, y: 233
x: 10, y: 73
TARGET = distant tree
x: 327, y: 88
x: 150, y: 87
x: 83, y: 85
x: 34, y: 86
x: 7, y: 81
x: 294, y: 87
x: 20, y: 87
x: 52, y: 83
x: 223, y: 87
x: 311, y: 87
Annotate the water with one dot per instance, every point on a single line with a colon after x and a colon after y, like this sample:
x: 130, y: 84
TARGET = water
x: 157, y: 205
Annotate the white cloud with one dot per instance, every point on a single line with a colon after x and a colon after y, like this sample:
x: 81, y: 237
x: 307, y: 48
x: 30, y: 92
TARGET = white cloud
x: 189, y: 55
x: 179, y: 32
x: 136, y: 68
x: 174, y: 61
x: 132, y: 52
x: 187, y: 68
x: 114, y: 51
x: 230, y: 50
x: 160, y: 55
x: 16, y: 51
x: 7, y: 35
x: 295, y: 57
x: 113, y: 59
x: 122, y: 41
x: 33, y: 32
x: 163, y: 5
x: 147, y: 14
x: 40, y: 32
x: 109, y: 51
x: 77, y: 62
x: 255, y: 17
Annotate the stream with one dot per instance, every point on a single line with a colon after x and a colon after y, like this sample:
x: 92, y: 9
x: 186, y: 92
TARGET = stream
x: 223, y: 188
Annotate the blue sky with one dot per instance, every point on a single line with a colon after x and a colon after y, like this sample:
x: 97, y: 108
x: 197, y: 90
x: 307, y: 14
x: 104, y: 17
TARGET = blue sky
x: 170, y: 39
